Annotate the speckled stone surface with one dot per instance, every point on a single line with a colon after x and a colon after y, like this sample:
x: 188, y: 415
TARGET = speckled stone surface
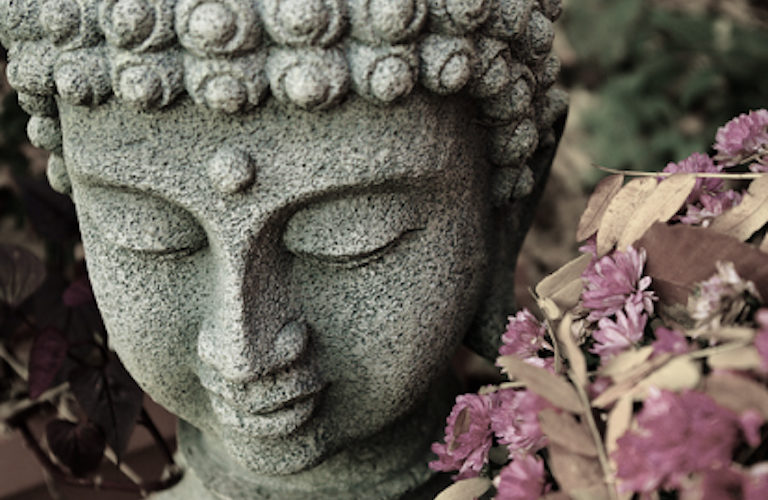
x: 293, y: 213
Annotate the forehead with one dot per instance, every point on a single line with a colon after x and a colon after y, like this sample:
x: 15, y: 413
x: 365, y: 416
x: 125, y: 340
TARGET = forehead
x: 293, y: 153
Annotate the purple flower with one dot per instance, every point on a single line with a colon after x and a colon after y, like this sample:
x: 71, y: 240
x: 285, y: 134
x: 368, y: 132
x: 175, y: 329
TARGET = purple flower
x: 677, y: 434
x: 468, y: 437
x: 522, y: 479
x: 698, y: 163
x: 514, y: 420
x: 613, y: 281
x: 717, y: 484
x: 756, y: 482
x: 524, y: 336
x: 710, y: 206
x: 750, y: 422
x: 615, y: 336
x: 669, y: 341
x: 743, y: 137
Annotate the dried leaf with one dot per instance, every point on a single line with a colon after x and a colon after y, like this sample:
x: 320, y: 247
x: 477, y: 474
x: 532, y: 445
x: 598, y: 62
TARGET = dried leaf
x: 563, y: 429
x: 622, y: 366
x: 564, y: 285
x: 680, y: 256
x: 620, y: 210
x: 737, y: 393
x: 78, y: 446
x: 111, y: 399
x: 551, y: 387
x: 49, y: 350
x: 739, y: 358
x: 629, y: 380
x: 21, y: 273
x: 551, y: 311
x: 619, y: 421
x: 598, y: 202
x: 728, y: 334
x: 659, y: 206
x: 573, y: 354
x: 595, y: 492
x: 466, y: 489
x: 556, y: 495
x: 743, y: 220
x: 680, y: 373
x: 573, y: 471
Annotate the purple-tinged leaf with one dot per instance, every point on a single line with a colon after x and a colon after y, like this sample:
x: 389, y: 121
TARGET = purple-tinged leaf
x: 48, y: 353
x: 52, y: 214
x: 110, y: 398
x: 21, y: 273
x: 78, y: 446
x: 78, y: 293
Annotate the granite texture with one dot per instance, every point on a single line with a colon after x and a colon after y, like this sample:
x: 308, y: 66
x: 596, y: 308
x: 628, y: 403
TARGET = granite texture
x: 293, y: 213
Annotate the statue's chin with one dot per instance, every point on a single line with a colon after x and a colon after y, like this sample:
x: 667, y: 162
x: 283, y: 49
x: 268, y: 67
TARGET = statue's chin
x: 276, y: 456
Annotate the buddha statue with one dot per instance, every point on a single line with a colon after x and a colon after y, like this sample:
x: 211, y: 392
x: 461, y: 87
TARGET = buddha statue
x: 294, y: 212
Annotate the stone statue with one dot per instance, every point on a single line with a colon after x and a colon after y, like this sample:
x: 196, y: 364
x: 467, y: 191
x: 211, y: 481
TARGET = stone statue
x: 294, y: 211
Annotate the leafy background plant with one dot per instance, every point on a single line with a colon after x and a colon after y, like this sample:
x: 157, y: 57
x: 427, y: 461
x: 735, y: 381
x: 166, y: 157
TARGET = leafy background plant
x: 650, y: 81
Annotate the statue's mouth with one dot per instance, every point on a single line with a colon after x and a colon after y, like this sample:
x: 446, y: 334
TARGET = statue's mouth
x: 278, y: 419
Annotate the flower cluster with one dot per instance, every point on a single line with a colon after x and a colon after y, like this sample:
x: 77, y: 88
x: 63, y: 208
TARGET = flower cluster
x: 647, y: 371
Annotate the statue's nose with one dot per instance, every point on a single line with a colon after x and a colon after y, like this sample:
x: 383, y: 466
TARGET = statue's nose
x: 250, y: 331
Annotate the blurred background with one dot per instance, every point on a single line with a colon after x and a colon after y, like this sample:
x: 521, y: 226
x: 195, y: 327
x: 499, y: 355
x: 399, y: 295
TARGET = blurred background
x: 650, y: 81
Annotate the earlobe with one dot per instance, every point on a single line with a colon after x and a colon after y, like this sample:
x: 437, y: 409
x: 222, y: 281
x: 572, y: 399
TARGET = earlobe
x: 511, y: 218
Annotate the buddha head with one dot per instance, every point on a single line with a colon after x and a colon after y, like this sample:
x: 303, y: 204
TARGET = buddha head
x: 295, y: 211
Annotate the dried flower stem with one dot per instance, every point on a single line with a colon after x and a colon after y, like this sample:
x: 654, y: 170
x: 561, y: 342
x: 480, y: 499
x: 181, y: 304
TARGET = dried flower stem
x: 602, y: 456
x: 709, y: 351
x: 702, y: 175
x: 555, y: 348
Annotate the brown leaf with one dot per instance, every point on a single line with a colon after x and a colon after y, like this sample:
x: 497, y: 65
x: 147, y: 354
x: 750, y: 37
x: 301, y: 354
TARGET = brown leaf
x: 563, y: 429
x: 739, y: 358
x: 620, y: 210
x: 564, y: 285
x: 680, y: 373
x: 573, y: 471
x: 743, y: 220
x: 619, y: 421
x: 737, y: 393
x: 550, y: 387
x: 598, y: 202
x: 573, y: 354
x: 659, y: 206
x: 680, y: 256
x: 466, y: 489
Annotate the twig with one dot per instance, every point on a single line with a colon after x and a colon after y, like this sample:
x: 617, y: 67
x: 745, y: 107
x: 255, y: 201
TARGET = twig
x: 14, y: 363
x: 147, y: 422
x: 703, y: 175
x: 602, y: 456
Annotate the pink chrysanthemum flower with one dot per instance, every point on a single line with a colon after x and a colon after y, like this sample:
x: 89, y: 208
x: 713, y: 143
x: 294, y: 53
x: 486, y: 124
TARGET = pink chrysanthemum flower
x: 613, y: 281
x: 755, y: 484
x: 677, y: 434
x: 524, y: 336
x: 615, y: 336
x: 522, y: 479
x: 744, y: 137
x: 514, y: 420
x: 698, y: 163
x: 468, y: 437
x: 669, y: 341
x: 719, y: 294
x: 709, y: 206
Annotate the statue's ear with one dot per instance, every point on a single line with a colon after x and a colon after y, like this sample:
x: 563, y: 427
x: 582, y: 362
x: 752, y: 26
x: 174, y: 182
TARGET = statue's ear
x: 509, y: 223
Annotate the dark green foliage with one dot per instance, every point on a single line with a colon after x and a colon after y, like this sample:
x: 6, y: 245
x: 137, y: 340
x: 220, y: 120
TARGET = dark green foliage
x: 665, y: 79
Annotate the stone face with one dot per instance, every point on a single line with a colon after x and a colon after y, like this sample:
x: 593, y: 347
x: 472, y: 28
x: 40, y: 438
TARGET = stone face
x: 290, y: 230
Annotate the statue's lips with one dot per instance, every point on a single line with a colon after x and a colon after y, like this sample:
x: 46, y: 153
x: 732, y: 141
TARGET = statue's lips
x: 279, y: 420
x: 270, y: 406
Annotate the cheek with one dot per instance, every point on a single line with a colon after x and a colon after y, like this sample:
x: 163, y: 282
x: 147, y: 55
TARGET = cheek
x: 385, y: 330
x: 151, y: 308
